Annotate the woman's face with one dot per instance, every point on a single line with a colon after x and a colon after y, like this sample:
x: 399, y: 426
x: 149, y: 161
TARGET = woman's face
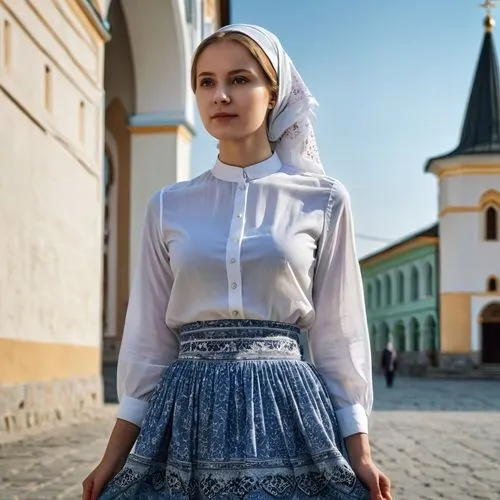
x: 232, y: 92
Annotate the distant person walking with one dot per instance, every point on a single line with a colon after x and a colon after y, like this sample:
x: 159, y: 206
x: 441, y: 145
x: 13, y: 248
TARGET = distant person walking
x: 389, y: 364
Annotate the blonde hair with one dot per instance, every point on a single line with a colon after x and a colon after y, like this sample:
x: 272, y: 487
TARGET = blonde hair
x: 255, y: 51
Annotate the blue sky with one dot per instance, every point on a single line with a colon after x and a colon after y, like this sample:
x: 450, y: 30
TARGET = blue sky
x: 392, y: 79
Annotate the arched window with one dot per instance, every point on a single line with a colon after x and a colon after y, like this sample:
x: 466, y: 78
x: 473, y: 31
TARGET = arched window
x: 107, y: 184
x: 492, y: 284
x: 378, y: 293
x: 401, y: 287
x: 369, y: 296
x: 429, y: 279
x: 388, y: 289
x: 414, y: 283
x: 374, y: 338
x: 491, y: 224
x: 414, y: 335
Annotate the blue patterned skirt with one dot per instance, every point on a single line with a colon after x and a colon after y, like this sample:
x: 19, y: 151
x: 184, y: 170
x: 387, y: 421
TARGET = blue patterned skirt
x: 238, y: 415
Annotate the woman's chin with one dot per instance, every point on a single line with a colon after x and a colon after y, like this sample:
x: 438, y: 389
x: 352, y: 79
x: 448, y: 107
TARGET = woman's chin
x: 227, y: 135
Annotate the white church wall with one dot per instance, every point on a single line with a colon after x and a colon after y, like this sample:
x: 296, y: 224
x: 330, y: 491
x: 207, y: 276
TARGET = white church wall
x: 466, y: 190
x: 467, y: 259
x: 51, y: 206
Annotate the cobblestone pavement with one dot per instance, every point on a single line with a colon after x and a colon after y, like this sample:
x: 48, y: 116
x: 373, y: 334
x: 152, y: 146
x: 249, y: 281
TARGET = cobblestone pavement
x: 436, y: 439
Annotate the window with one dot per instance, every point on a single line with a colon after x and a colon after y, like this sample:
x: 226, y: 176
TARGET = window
x: 491, y: 224
x: 369, y: 296
x: 414, y: 335
x: 7, y: 44
x: 374, y: 338
x: 108, y: 247
x: 492, y: 285
x: 429, y: 279
x: 414, y: 283
x: 388, y: 290
x: 48, y: 88
x: 401, y: 287
x: 378, y: 293
x: 81, y: 122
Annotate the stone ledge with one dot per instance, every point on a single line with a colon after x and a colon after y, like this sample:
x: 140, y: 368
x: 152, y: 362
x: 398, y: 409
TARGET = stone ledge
x: 459, y: 363
x: 43, y: 404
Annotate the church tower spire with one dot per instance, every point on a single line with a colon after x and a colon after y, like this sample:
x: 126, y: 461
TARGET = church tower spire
x: 481, y: 126
x: 469, y: 221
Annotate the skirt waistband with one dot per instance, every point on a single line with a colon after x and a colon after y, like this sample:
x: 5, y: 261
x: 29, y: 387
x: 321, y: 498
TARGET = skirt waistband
x: 230, y: 339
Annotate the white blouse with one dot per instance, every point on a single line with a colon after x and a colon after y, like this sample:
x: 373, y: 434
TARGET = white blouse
x: 263, y: 242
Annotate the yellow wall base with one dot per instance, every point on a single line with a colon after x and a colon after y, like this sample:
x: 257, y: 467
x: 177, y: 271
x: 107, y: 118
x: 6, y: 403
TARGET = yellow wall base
x: 24, y: 361
x: 455, y: 316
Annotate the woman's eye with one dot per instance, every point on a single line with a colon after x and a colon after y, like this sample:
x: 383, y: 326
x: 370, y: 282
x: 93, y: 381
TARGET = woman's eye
x: 240, y: 80
x: 205, y: 83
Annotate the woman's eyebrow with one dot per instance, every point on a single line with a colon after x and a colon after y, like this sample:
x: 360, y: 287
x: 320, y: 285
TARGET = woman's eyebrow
x: 232, y: 72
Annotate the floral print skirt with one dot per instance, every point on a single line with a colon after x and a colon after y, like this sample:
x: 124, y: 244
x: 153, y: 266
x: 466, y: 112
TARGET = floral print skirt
x: 238, y: 415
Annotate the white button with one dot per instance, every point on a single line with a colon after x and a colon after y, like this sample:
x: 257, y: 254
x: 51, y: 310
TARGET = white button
x: 235, y: 313
x: 234, y: 285
x: 239, y: 216
x: 233, y: 260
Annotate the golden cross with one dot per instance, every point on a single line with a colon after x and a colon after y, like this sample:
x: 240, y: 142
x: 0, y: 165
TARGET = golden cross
x: 488, y: 5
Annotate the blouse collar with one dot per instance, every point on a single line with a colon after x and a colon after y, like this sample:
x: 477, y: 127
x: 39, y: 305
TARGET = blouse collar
x: 231, y: 173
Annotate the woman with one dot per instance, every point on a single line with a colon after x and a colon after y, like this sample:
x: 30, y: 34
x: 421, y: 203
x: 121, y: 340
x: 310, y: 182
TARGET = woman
x: 234, y: 264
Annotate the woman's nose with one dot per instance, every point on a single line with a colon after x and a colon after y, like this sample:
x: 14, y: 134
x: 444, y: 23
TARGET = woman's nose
x: 221, y: 95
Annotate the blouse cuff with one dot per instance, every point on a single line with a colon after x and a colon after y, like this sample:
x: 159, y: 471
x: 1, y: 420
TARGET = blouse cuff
x: 352, y: 420
x: 132, y: 410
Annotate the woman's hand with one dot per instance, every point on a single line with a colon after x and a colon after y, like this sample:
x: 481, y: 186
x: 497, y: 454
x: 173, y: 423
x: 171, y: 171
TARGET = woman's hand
x: 374, y: 479
x: 120, y: 443
x: 95, y: 482
x: 358, y: 447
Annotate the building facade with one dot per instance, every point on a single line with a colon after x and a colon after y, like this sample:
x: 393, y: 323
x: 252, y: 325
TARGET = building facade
x: 401, y: 300
x: 97, y: 114
x: 450, y: 309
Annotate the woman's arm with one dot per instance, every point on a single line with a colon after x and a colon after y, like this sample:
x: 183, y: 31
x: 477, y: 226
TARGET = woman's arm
x: 120, y: 444
x: 358, y: 447
x: 339, y: 340
x: 148, y: 345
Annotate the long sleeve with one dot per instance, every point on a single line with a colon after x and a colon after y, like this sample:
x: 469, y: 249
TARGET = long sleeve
x: 339, y: 339
x: 147, y: 345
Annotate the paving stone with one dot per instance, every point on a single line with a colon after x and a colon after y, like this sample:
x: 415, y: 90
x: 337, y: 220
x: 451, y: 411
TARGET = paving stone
x: 436, y: 439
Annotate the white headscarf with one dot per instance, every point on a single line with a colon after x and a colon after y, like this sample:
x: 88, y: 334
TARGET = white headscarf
x: 290, y: 129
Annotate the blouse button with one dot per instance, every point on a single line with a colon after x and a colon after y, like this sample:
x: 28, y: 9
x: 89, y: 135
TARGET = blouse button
x: 233, y: 260
x: 234, y: 286
x: 236, y: 313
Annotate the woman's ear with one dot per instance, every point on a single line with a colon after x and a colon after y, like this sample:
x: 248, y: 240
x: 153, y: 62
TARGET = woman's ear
x: 272, y: 101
